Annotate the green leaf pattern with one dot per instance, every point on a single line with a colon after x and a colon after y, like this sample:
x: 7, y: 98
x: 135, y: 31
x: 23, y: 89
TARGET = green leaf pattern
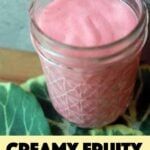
x: 20, y: 114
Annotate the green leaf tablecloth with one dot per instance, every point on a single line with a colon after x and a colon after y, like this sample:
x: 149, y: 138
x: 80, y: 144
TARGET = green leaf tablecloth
x: 21, y: 111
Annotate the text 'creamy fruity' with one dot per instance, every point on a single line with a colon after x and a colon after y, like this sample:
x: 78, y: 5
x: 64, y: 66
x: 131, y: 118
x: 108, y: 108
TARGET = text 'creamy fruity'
x: 89, y: 51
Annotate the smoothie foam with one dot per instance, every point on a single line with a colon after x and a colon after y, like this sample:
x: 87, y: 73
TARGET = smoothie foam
x: 87, y: 22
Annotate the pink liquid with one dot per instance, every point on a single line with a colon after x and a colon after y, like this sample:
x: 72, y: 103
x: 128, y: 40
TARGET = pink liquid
x: 87, y: 22
x: 89, y: 97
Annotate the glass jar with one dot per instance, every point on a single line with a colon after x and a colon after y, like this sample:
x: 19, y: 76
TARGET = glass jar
x: 90, y: 86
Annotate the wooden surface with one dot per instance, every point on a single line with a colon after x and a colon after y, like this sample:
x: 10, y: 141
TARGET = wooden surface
x: 18, y: 66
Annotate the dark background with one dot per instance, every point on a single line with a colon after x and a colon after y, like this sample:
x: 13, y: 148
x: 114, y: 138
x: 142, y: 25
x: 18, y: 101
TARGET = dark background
x: 146, y: 51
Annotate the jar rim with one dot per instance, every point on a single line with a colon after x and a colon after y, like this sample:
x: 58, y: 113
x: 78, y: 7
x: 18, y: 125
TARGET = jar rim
x: 88, y: 48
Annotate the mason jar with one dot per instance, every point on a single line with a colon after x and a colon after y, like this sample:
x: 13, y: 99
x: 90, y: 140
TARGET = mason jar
x: 90, y: 86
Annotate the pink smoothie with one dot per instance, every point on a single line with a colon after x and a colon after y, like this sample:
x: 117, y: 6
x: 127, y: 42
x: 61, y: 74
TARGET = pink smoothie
x: 89, y: 97
x: 87, y: 22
